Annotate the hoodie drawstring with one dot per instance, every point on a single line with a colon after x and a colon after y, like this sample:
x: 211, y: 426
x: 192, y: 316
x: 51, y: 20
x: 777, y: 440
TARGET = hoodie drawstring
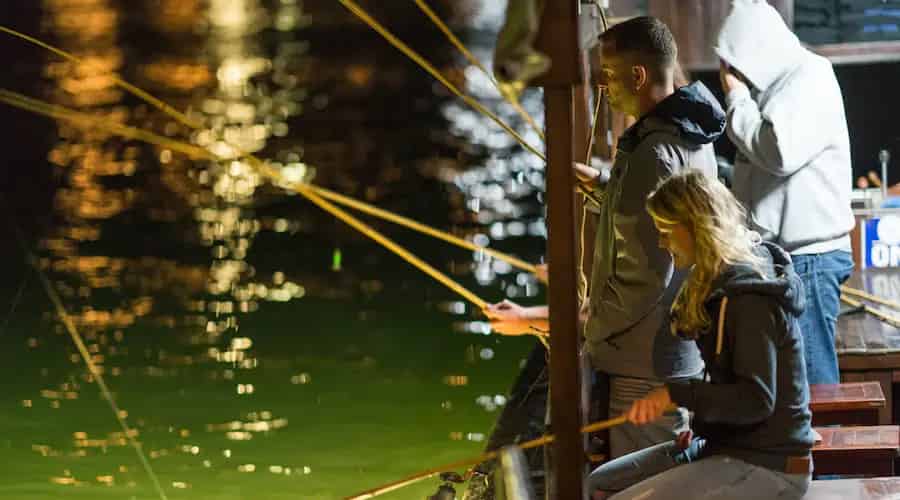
x: 721, y: 330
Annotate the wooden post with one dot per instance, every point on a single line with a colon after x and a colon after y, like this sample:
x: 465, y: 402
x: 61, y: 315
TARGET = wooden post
x: 558, y: 39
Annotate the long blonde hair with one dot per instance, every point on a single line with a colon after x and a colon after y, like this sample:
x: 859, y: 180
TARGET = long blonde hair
x: 716, y: 221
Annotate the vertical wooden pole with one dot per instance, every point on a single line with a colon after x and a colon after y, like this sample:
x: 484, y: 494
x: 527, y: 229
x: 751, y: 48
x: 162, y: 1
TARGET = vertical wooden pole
x: 558, y: 39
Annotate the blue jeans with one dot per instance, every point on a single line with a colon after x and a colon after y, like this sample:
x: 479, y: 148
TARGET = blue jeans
x: 822, y: 275
x: 664, y: 471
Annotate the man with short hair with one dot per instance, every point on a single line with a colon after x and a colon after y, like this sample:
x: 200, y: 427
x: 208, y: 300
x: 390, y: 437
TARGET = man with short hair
x: 792, y: 171
x: 633, y: 282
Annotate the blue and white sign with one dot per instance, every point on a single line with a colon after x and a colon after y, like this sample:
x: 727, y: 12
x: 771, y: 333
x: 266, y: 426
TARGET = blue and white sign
x: 881, y: 241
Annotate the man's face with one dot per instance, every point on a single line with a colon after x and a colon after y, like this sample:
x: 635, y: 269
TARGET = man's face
x: 617, y: 79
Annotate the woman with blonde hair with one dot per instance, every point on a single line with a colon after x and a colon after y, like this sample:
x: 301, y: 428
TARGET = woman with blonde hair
x: 740, y: 302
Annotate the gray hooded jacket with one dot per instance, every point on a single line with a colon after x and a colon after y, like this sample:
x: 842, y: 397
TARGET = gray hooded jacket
x: 792, y: 171
x: 633, y: 282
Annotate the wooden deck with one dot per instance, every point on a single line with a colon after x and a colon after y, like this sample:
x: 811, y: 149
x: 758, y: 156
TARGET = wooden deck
x: 869, y: 349
x: 864, y: 334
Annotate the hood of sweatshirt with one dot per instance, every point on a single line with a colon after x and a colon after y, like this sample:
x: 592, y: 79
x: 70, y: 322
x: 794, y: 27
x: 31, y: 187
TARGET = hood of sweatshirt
x: 755, y: 40
x: 694, y: 112
x: 778, y: 279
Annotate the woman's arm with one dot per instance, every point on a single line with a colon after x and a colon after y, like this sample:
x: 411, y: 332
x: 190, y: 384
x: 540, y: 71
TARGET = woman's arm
x: 751, y: 327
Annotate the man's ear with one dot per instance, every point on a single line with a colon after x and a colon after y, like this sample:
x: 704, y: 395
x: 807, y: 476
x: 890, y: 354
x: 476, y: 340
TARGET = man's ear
x: 638, y: 76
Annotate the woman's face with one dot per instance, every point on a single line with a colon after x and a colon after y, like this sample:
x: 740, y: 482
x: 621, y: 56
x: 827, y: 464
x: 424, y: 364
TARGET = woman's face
x: 678, y: 240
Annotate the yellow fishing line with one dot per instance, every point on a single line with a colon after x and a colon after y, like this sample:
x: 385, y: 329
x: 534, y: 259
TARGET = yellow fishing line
x: 510, y: 97
x: 88, y: 121
x: 89, y: 362
x: 195, y: 152
x: 402, y: 47
x: 422, y: 228
x: 122, y: 83
x: 491, y: 455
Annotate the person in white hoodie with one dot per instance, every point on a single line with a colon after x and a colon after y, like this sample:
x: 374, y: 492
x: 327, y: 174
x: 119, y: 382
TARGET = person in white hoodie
x: 792, y: 171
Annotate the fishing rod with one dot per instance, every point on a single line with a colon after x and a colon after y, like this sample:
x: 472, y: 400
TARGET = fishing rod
x: 484, y: 457
x: 196, y: 152
x: 86, y: 356
x: 585, y: 189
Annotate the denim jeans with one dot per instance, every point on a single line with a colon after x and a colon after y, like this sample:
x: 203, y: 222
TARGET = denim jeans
x: 822, y: 275
x: 665, y: 471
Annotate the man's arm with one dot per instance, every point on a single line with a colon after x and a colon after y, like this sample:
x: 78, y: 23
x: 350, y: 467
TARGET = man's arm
x: 783, y: 147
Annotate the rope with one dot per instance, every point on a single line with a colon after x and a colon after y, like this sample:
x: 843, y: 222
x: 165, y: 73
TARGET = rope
x: 582, y: 277
x: 92, y: 368
x: 491, y: 455
x: 721, y: 326
x: 510, y: 97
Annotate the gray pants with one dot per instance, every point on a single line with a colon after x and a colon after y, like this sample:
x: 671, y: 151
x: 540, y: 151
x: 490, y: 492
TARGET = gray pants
x: 628, y: 438
x: 665, y: 471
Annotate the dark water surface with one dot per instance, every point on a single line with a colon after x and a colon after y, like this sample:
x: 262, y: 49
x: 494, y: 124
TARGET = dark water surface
x: 258, y: 347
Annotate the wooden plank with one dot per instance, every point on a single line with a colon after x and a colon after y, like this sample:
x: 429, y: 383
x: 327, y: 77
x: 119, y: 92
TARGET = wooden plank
x: 856, y: 450
x: 860, y: 52
x: 847, y: 396
x: 886, y: 379
x: 864, y: 334
x: 863, y: 362
x: 846, y: 404
x: 879, y: 437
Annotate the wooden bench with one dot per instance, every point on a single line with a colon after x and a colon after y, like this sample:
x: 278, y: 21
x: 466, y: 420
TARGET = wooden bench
x: 878, y: 488
x: 851, y: 403
x: 866, y: 451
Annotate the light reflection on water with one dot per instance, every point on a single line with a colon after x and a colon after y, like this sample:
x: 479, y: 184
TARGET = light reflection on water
x: 154, y: 255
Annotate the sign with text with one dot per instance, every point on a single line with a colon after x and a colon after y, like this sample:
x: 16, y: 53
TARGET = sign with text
x: 881, y: 242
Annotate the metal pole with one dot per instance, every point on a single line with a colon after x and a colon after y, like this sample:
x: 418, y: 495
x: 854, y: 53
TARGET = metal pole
x: 884, y: 156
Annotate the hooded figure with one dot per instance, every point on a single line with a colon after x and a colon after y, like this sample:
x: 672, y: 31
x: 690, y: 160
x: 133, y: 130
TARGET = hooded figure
x: 792, y: 171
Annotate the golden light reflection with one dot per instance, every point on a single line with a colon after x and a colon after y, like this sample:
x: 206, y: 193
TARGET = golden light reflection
x: 456, y: 380
x: 104, y: 182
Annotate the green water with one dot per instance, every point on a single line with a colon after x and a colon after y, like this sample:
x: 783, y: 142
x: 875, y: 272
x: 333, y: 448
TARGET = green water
x: 259, y: 348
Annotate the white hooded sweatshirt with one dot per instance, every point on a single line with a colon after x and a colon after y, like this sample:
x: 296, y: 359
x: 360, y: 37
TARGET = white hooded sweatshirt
x: 792, y: 171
